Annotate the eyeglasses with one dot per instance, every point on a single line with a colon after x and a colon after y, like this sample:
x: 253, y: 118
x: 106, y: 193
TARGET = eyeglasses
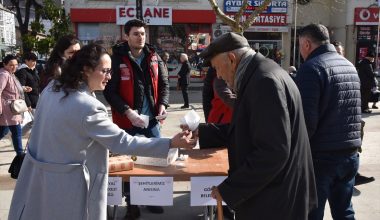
x: 106, y: 71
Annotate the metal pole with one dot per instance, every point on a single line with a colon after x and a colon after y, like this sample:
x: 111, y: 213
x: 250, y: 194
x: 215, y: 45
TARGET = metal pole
x: 139, y: 10
x: 295, y: 32
x: 377, y: 44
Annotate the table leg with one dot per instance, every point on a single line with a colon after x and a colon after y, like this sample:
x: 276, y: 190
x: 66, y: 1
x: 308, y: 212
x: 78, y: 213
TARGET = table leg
x: 114, y: 212
x: 211, y: 212
x: 205, y: 212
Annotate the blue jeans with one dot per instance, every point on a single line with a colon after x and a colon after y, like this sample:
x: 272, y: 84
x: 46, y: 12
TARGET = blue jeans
x: 16, y: 136
x: 335, y: 178
x: 153, y: 130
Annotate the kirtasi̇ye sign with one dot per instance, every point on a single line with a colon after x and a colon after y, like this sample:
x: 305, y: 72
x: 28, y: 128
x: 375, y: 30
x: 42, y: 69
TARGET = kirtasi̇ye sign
x: 265, y: 19
x: 153, y: 15
x: 276, y: 6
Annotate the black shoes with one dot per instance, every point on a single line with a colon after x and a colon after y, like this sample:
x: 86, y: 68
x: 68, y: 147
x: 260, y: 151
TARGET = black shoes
x: 374, y: 107
x: 133, y: 212
x: 155, y: 209
x: 184, y: 106
x: 359, y: 179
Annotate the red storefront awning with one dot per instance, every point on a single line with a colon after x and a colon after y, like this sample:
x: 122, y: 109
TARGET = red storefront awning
x: 108, y: 15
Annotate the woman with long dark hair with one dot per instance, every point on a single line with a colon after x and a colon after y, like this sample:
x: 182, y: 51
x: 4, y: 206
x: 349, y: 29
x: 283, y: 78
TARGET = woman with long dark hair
x: 64, y: 174
x: 64, y: 49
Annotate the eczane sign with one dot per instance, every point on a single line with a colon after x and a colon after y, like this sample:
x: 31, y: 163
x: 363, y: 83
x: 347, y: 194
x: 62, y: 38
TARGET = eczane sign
x: 153, y: 15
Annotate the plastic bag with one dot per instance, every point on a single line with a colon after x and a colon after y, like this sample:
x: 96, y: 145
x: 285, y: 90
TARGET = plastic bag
x: 191, y: 119
x: 27, y: 122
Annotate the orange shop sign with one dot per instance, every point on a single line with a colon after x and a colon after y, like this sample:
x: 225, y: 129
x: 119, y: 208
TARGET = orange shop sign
x: 153, y: 15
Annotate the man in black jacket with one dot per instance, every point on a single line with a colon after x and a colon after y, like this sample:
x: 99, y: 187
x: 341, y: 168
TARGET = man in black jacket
x: 367, y: 79
x: 271, y: 172
x: 184, y: 78
x: 330, y: 91
x: 28, y: 76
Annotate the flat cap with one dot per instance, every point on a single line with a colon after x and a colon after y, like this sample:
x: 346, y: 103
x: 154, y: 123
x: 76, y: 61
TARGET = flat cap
x: 226, y: 42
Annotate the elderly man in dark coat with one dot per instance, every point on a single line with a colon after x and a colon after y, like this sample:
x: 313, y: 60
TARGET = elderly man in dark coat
x: 271, y: 172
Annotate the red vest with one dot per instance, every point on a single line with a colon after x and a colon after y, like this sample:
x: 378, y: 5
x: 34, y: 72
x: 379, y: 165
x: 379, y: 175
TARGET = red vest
x: 126, y: 86
x: 220, y: 113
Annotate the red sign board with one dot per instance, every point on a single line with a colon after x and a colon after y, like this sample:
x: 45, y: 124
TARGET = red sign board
x: 366, y: 16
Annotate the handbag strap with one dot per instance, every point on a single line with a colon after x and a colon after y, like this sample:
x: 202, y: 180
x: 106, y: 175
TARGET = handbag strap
x: 19, y: 86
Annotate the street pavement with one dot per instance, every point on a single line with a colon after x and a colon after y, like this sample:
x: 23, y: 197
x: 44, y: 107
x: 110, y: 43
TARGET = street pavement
x: 366, y: 200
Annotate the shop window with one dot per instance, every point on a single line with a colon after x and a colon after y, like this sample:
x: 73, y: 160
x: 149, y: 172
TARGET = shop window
x: 181, y: 38
x: 88, y: 32
x: 268, y: 44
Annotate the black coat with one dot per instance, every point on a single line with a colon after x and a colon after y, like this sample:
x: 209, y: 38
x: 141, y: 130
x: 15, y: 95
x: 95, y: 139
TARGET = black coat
x: 366, y: 74
x: 184, y: 73
x: 28, y: 77
x: 271, y: 173
x: 330, y: 91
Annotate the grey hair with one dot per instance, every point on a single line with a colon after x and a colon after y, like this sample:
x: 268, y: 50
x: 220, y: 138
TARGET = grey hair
x: 184, y: 56
x: 240, y: 51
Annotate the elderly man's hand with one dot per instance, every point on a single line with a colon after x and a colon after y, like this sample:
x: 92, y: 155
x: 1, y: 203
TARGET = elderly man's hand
x: 183, y: 139
x: 186, y: 128
x: 216, y: 194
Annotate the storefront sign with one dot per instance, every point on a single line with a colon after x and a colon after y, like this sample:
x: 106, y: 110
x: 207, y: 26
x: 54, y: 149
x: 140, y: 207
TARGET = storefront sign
x: 366, y: 16
x: 266, y: 19
x: 114, y: 194
x: 201, y: 190
x: 224, y: 29
x: 276, y: 6
x: 153, y: 15
x: 152, y: 191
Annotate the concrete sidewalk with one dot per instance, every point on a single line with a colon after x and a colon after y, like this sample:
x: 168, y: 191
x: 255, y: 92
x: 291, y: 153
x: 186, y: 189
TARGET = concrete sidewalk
x: 366, y: 200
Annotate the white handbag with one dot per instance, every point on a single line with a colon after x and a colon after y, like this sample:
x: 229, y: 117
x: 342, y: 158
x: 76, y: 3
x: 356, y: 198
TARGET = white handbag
x: 18, y: 106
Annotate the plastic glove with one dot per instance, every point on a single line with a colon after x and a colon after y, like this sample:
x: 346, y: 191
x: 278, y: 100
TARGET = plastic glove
x: 135, y: 118
x: 161, y: 112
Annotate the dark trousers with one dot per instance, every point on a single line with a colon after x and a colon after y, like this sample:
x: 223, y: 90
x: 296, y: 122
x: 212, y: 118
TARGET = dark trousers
x: 365, y: 95
x: 335, y: 178
x: 185, y: 94
x: 16, y: 136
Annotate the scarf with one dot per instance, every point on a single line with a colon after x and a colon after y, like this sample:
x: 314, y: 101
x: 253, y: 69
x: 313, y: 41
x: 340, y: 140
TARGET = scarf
x: 244, y: 61
x: 19, y: 86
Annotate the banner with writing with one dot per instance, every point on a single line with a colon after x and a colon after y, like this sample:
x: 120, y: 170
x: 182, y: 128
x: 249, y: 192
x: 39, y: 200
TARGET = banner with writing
x: 114, y: 194
x: 201, y: 190
x: 152, y: 191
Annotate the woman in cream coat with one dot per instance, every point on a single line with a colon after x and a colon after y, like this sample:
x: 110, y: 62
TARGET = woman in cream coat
x: 64, y: 174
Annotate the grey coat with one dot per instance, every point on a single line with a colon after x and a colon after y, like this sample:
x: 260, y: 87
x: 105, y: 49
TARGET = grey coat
x: 65, y: 173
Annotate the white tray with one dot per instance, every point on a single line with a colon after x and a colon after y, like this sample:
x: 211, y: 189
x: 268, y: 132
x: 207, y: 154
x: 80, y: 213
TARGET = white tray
x: 160, y: 162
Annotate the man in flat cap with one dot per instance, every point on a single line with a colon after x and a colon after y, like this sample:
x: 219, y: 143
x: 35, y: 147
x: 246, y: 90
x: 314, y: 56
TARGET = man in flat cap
x: 271, y: 171
x: 330, y: 91
x: 367, y: 79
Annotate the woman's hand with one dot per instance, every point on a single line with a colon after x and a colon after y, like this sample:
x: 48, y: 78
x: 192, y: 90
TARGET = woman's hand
x: 27, y: 88
x: 183, y: 139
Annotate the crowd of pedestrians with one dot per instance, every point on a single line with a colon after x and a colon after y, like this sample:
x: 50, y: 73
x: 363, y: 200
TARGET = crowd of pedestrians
x: 293, y: 137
